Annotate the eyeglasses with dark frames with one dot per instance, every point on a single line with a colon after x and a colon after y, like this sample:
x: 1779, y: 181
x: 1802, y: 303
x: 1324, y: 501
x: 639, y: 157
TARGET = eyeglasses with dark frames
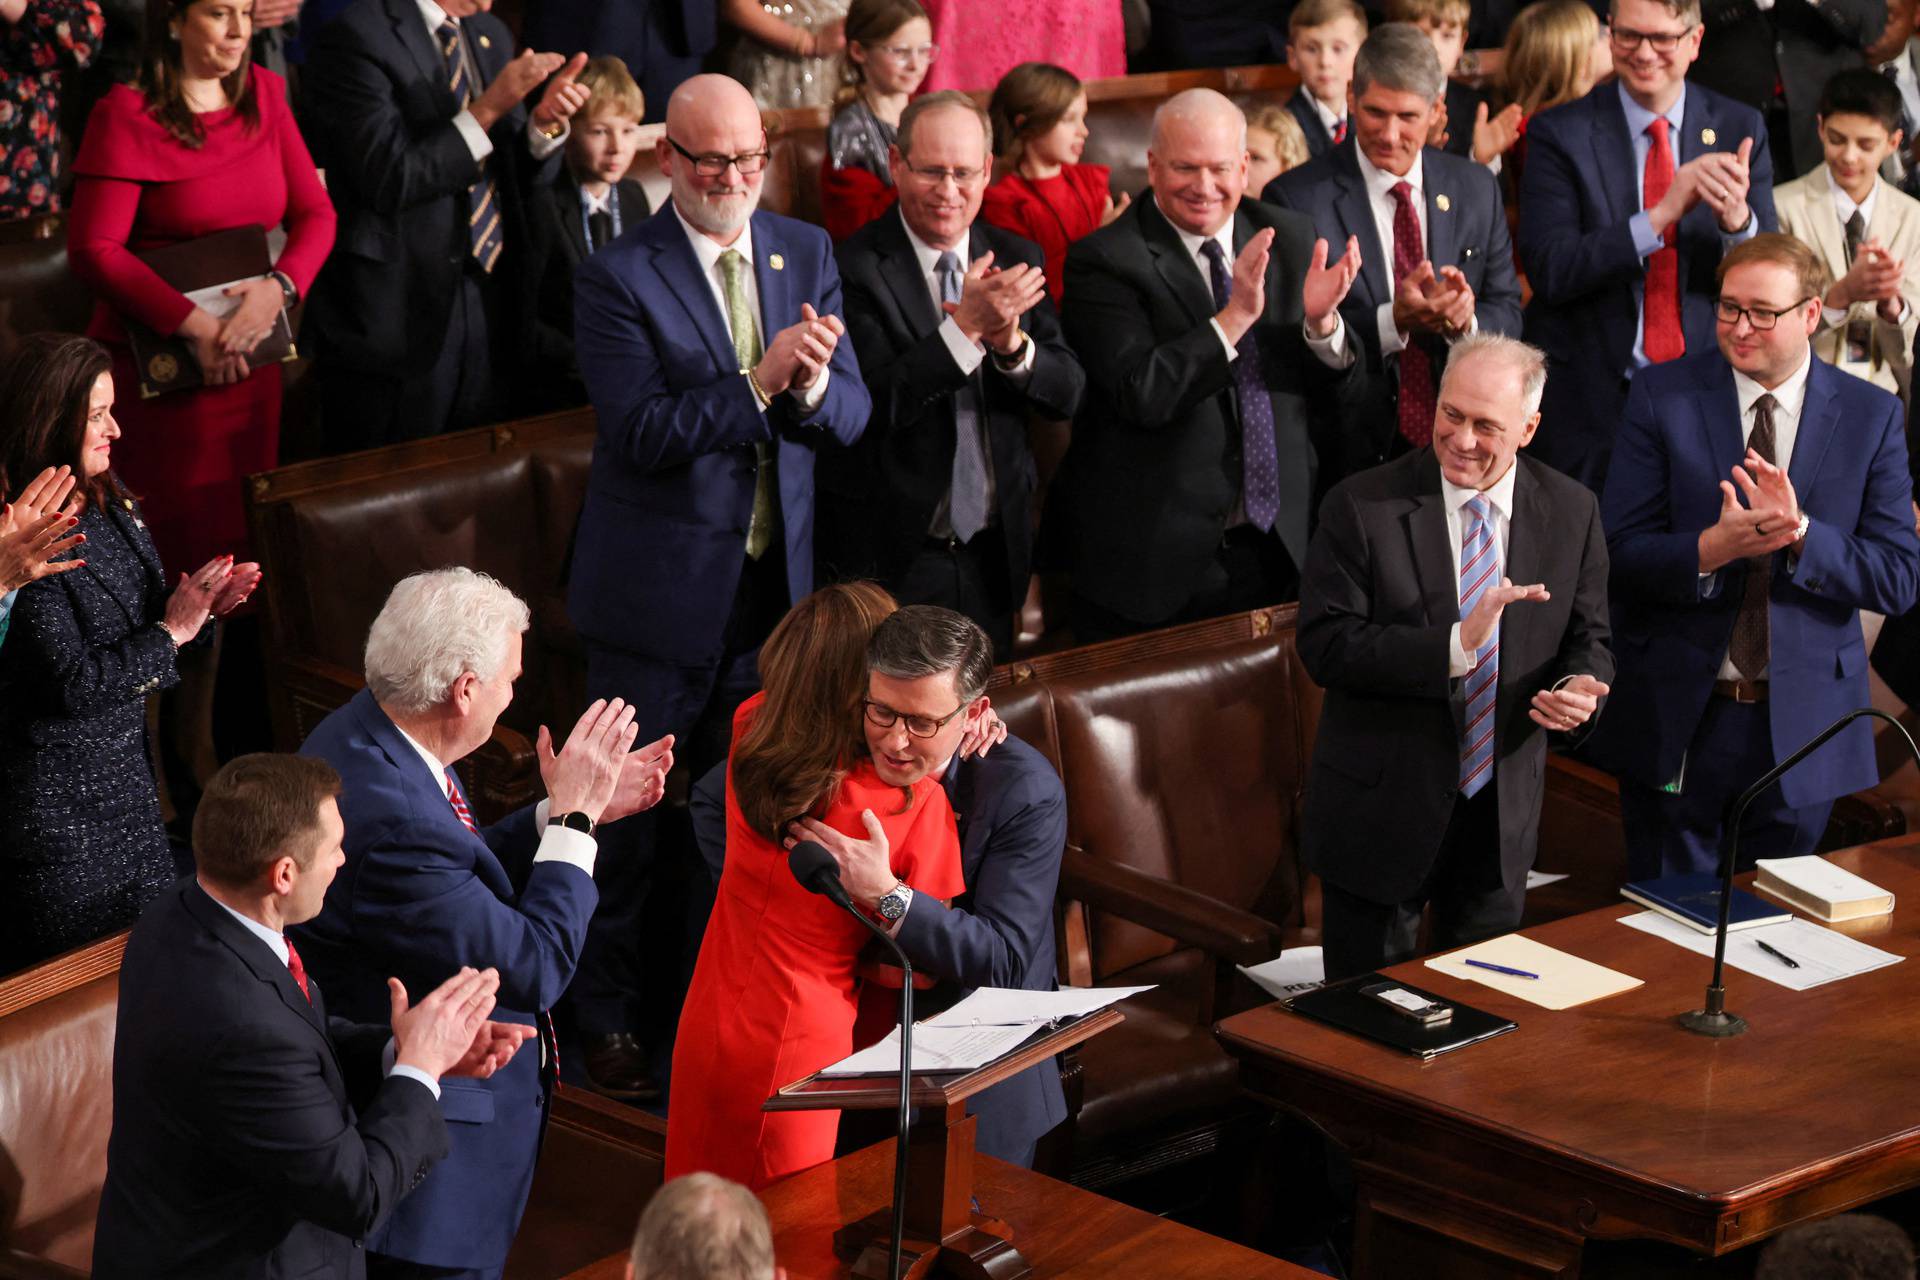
x: 1627, y: 40
x: 712, y: 166
x: 1761, y: 318
x: 882, y: 716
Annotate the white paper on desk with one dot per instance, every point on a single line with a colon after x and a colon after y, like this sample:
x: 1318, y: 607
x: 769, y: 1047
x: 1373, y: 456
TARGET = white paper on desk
x: 1289, y: 973
x: 1541, y: 879
x: 1006, y: 1007
x: 214, y: 299
x: 1824, y: 955
x: 1565, y: 980
x: 934, y: 1049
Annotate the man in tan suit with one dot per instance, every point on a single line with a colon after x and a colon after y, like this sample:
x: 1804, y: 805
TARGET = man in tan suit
x: 1866, y: 230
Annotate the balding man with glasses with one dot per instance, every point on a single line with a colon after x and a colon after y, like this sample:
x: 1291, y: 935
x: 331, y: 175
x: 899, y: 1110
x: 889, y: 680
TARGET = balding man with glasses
x: 1759, y: 500
x: 1628, y: 199
x: 711, y: 342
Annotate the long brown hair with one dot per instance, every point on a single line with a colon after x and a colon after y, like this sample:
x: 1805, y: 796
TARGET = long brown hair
x: 161, y: 71
x: 1028, y: 101
x: 807, y: 733
x: 46, y: 381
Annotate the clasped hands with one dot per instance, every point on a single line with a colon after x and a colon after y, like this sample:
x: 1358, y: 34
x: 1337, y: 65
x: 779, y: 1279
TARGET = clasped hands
x: 36, y: 528
x: 448, y: 1033
x: 597, y: 772
x: 1719, y: 179
x: 1441, y: 304
x: 214, y: 590
x: 1874, y: 277
x: 1567, y: 705
x: 1322, y: 291
x: 799, y: 354
x: 1768, y: 522
x: 992, y: 300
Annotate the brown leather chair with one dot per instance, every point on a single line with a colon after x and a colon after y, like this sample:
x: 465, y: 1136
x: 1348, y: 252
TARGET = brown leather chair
x: 37, y: 292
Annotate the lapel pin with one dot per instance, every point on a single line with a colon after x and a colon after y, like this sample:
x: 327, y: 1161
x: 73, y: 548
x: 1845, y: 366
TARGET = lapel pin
x: 485, y: 43
x: 1709, y: 137
x: 1442, y: 203
x: 777, y: 262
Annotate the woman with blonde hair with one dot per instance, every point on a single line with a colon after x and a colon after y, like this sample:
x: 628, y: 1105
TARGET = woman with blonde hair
x: 775, y: 991
x: 1556, y: 51
x: 1274, y: 144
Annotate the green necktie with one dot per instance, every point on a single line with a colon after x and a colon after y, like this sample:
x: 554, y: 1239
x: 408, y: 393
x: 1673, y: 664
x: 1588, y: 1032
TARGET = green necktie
x: 746, y: 348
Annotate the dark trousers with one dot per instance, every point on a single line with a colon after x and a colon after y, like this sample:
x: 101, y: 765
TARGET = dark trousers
x: 1471, y: 900
x: 364, y: 410
x: 1671, y: 834
x: 968, y: 577
x: 696, y: 705
x: 1251, y: 570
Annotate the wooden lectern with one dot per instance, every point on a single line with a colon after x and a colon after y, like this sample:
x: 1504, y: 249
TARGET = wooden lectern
x: 944, y: 1236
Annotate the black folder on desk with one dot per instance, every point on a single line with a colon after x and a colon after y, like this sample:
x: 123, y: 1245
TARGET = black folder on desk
x: 1341, y: 1005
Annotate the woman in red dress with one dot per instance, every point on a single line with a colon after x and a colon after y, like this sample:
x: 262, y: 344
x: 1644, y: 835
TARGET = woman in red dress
x: 775, y: 991
x: 1046, y: 195
x: 206, y: 143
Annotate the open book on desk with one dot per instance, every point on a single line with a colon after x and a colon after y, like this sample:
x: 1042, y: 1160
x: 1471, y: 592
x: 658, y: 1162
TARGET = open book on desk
x: 988, y: 1024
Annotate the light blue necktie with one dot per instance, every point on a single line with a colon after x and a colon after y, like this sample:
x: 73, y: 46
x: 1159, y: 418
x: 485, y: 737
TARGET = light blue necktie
x: 968, y: 496
x: 1479, y: 569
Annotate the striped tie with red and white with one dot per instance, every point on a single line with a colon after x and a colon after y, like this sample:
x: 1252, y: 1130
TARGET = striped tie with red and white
x: 459, y: 803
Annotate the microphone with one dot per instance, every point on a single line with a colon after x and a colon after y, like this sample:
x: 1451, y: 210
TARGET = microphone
x: 1714, y: 1020
x: 817, y: 872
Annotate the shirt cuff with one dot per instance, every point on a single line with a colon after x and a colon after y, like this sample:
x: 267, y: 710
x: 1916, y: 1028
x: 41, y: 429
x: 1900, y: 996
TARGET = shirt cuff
x: 540, y: 145
x: 1645, y: 243
x: 1459, y: 661
x: 1493, y: 165
x: 1391, y: 339
x: 1233, y: 352
x: 1745, y: 233
x: 1331, y: 350
x: 809, y: 398
x: 965, y: 351
x: 1020, y: 372
x: 389, y: 1068
x: 478, y: 143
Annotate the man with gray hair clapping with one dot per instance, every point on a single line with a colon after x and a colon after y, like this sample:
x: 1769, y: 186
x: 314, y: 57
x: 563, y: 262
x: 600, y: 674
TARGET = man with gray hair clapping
x: 425, y: 889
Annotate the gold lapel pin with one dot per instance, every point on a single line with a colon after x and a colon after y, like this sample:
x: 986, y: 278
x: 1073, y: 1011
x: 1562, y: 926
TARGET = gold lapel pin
x: 485, y: 43
x: 1709, y: 137
x: 777, y: 262
x: 1442, y: 203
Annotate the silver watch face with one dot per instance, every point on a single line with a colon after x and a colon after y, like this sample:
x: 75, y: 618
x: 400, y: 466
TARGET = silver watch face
x: 893, y: 906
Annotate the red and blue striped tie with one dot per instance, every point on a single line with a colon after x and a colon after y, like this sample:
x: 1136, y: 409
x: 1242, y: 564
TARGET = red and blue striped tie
x: 1479, y: 569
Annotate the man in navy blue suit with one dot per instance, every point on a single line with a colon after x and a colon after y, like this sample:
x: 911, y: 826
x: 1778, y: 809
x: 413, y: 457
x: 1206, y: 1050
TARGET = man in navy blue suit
x: 1759, y: 500
x: 709, y: 338
x: 253, y: 1134
x: 1628, y: 199
x: 1435, y: 261
x: 426, y: 889
x: 926, y: 690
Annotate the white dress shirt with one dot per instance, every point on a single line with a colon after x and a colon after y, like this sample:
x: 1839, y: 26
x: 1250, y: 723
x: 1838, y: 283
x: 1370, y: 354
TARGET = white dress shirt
x: 277, y: 944
x: 708, y: 253
x: 1195, y: 244
x: 1843, y: 208
x: 1500, y: 522
x: 967, y: 354
x: 478, y: 143
x: 557, y: 844
x: 1789, y: 397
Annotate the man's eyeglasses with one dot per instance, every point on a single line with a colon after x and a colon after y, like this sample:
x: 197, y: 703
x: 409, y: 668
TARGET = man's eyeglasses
x: 712, y: 166
x: 906, y: 54
x: 935, y: 175
x: 1627, y: 40
x: 882, y: 716
x: 1761, y: 318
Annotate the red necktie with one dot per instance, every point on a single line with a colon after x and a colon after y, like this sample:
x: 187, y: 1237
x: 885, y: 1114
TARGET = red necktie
x: 1661, y: 336
x: 459, y: 803
x: 298, y: 970
x: 1416, y: 365
x: 1340, y: 131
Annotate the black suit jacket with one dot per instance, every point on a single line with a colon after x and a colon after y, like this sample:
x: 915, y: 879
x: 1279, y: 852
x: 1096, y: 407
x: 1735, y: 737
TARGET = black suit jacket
x: 1319, y: 141
x: 878, y: 496
x: 556, y: 247
x: 1378, y: 601
x: 1466, y: 228
x: 235, y: 1150
x: 379, y: 114
x: 1155, y: 469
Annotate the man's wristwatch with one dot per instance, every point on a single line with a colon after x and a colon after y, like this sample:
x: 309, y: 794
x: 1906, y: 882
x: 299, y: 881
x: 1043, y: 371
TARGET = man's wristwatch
x: 575, y: 821
x: 1019, y: 353
x: 895, y: 903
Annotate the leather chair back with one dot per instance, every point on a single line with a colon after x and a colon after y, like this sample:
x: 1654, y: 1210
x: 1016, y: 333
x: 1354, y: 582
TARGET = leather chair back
x: 37, y: 292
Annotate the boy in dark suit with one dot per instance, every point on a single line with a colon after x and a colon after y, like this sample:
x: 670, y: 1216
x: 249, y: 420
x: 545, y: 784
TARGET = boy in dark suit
x: 1322, y: 37
x: 589, y: 203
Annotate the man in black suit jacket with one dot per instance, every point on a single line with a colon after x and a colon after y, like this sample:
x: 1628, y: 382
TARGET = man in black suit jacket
x: 414, y: 110
x: 1436, y: 262
x: 236, y: 1150
x: 1187, y: 490
x: 941, y: 515
x: 1426, y: 779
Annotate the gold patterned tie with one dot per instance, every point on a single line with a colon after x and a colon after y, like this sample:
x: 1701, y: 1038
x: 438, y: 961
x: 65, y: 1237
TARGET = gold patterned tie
x: 746, y: 348
x: 1750, y: 630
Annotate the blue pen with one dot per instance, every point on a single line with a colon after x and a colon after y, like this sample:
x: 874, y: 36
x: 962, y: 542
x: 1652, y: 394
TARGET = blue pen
x: 1500, y: 968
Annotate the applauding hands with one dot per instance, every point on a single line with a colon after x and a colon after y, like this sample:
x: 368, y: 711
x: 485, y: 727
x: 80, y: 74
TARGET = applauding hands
x: 36, y: 529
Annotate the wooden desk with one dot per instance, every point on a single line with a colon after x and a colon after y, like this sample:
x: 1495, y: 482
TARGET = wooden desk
x: 1608, y: 1121
x: 1063, y: 1232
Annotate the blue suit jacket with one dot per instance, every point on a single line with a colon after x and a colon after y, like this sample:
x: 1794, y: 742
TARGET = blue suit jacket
x: 419, y: 897
x: 1576, y: 200
x: 663, y: 534
x: 1466, y: 228
x: 1682, y: 434
x: 1012, y: 815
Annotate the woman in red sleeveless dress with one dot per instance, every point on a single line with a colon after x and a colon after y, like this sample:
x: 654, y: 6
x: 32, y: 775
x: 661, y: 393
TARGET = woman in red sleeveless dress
x: 775, y: 991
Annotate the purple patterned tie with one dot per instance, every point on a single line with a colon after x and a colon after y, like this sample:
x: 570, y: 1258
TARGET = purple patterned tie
x: 1260, y: 460
x: 1479, y: 569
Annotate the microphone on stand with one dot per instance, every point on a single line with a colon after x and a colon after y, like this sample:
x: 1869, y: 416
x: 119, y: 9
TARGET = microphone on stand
x: 814, y: 867
x: 1714, y: 1020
